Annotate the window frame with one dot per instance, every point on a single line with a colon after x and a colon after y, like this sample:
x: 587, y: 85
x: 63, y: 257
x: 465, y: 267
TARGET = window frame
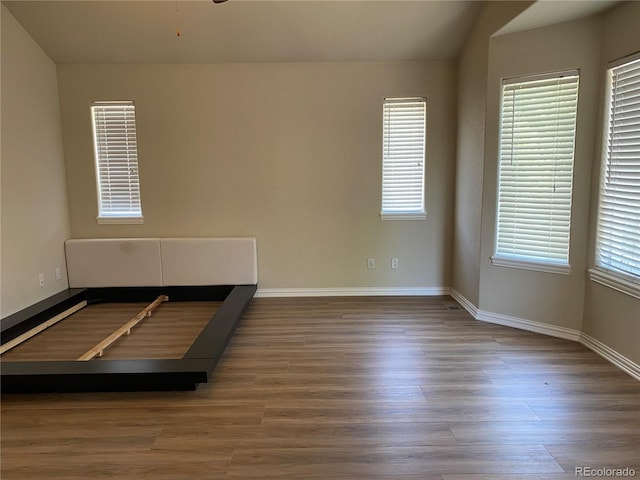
x: 502, y: 258
x: 605, y: 274
x: 416, y: 212
x: 108, y: 215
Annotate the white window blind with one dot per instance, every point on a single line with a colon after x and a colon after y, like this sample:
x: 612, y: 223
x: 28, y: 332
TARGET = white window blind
x: 618, y: 235
x: 116, y: 153
x: 403, y: 157
x: 537, y: 136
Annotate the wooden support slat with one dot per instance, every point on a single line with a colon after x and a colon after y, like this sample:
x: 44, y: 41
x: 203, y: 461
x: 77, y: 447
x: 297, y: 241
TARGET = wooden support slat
x: 43, y: 326
x: 125, y: 329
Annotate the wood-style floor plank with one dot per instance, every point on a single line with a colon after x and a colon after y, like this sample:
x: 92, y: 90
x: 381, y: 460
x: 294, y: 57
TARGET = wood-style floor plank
x: 346, y: 389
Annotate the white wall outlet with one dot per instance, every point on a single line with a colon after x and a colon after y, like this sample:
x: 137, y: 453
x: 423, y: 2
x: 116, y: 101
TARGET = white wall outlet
x: 41, y: 279
x: 58, y: 275
x: 395, y: 263
x: 371, y: 263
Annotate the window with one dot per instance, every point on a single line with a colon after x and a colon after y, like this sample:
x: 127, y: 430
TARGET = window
x: 618, y: 233
x: 537, y: 136
x: 116, y: 152
x: 403, y: 156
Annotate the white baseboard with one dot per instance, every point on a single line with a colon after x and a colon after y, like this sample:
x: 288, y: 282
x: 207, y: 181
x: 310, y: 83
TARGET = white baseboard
x: 620, y: 361
x: 611, y: 355
x: 466, y: 304
x: 529, y: 325
x: 353, y: 292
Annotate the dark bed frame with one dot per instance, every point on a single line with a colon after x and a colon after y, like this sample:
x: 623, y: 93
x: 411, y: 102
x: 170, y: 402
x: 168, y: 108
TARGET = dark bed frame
x: 195, y: 367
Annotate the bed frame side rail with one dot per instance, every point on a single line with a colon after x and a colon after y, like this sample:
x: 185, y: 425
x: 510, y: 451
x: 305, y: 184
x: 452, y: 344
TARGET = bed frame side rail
x: 24, y: 320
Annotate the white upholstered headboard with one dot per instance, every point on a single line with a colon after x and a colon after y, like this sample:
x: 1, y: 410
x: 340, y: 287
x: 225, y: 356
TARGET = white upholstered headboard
x: 149, y: 262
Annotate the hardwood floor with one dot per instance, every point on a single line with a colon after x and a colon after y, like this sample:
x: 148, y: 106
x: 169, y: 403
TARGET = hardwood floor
x: 349, y: 389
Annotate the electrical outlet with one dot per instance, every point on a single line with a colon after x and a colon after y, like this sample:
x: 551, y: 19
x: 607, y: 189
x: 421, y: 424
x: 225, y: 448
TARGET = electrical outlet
x: 41, y: 279
x: 58, y: 275
x: 395, y: 263
x: 371, y: 263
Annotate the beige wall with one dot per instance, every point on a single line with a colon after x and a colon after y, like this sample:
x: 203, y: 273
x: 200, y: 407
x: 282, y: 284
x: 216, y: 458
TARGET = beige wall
x: 34, y: 204
x: 472, y: 102
x: 611, y: 317
x: 288, y: 153
x: 543, y: 297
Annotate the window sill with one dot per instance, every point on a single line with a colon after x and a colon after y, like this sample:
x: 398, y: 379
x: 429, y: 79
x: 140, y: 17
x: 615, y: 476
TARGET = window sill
x: 403, y: 216
x: 615, y: 282
x: 557, y: 268
x: 120, y: 220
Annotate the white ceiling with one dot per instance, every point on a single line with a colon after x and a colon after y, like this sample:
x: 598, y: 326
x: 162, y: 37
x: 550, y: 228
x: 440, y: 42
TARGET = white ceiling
x: 246, y: 31
x: 549, y: 12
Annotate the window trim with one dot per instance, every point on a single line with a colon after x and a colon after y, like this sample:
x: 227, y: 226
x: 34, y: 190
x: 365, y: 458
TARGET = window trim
x: 525, y: 262
x: 403, y: 216
x: 127, y: 217
x: 120, y: 220
x: 416, y: 214
x: 615, y: 280
x: 623, y: 282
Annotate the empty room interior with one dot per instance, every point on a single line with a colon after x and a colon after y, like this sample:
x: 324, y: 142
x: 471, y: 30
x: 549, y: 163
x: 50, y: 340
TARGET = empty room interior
x: 426, y: 212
